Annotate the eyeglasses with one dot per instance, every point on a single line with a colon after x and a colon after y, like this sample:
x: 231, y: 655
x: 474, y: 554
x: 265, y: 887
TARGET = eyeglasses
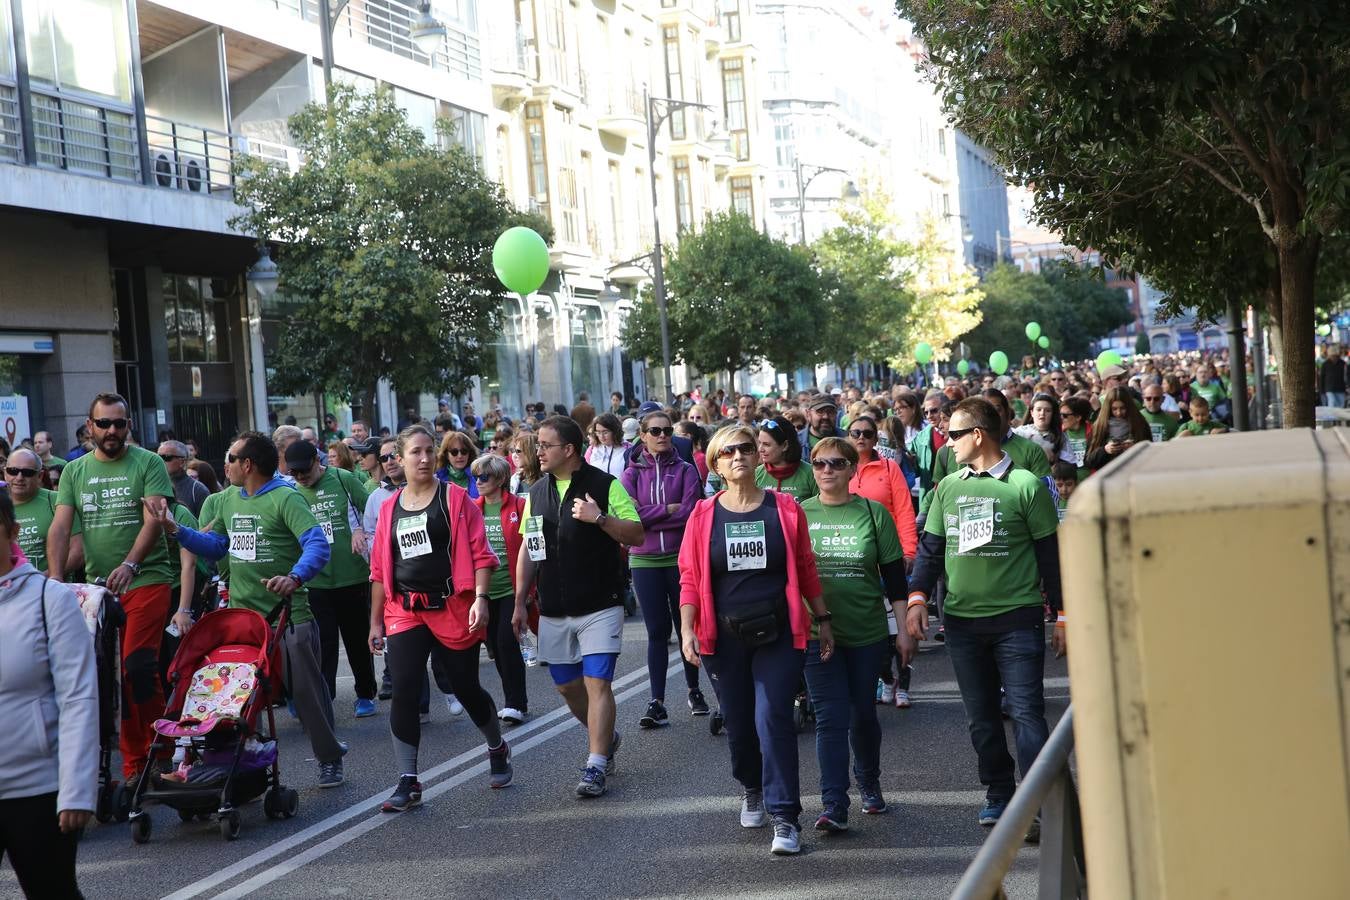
x: 385, y: 457
x: 168, y: 456
x: 955, y: 434
x: 117, y: 424
x: 661, y: 431
x: 545, y: 445
x: 458, y: 451
x: 833, y: 463
x: 931, y: 412
x: 746, y: 448
x: 863, y: 433
x: 18, y: 472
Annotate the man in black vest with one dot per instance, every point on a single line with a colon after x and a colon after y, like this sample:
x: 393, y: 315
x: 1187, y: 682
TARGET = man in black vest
x: 572, y: 548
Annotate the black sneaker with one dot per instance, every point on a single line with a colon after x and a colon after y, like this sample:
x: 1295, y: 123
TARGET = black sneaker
x: 499, y: 761
x: 697, y: 705
x: 407, y: 795
x: 656, y: 715
x: 386, y: 687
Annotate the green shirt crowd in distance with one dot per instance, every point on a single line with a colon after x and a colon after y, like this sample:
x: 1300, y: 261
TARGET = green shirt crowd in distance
x: 329, y: 499
x: 264, y: 536
x: 106, y: 497
x: 851, y: 541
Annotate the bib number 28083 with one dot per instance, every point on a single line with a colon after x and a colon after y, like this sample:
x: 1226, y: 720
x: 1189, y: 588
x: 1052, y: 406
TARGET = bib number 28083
x: 975, y: 522
x: 747, y: 548
x: 534, y: 539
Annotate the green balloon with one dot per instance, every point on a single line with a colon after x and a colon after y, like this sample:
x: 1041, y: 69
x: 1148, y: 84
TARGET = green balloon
x: 1324, y: 330
x: 1033, y: 331
x: 963, y: 367
x: 998, y: 361
x: 520, y: 258
x: 1109, y: 358
x: 923, y: 353
x: 1043, y: 342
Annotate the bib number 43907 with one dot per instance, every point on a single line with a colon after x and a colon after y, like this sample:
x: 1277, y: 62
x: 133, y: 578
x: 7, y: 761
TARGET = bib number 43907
x: 975, y: 523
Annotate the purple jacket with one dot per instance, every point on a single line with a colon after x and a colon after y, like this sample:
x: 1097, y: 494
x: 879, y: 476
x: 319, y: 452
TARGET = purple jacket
x: 654, y: 483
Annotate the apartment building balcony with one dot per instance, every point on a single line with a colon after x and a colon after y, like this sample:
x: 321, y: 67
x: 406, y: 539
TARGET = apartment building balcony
x: 620, y: 110
x: 510, y: 69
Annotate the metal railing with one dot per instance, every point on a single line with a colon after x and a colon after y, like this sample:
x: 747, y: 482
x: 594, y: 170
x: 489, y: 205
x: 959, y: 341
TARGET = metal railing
x: 513, y: 55
x: 189, y: 157
x: 84, y: 136
x: 11, y: 135
x: 1048, y: 789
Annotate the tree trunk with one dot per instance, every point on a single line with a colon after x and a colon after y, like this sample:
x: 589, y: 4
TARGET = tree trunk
x: 1298, y: 373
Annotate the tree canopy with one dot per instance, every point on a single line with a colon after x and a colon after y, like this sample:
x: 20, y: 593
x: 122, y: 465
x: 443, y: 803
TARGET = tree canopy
x: 385, y: 251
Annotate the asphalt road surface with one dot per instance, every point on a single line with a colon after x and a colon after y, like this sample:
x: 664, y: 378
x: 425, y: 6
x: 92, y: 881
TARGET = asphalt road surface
x: 668, y: 827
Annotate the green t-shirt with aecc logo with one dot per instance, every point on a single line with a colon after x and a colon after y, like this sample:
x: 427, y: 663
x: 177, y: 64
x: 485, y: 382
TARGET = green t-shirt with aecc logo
x: 1162, y: 426
x: 329, y: 499
x: 800, y: 485
x: 500, y: 585
x: 851, y: 541
x: 34, y: 519
x: 264, y: 541
x: 106, y: 496
x: 990, y: 526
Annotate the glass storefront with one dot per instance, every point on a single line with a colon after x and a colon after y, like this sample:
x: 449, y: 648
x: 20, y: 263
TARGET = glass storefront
x: 589, y: 357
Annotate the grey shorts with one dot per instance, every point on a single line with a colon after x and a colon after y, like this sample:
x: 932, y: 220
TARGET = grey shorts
x: 566, y: 639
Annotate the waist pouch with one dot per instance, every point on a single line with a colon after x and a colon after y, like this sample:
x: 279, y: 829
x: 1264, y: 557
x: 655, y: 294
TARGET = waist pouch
x: 758, y: 624
x: 418, y: 601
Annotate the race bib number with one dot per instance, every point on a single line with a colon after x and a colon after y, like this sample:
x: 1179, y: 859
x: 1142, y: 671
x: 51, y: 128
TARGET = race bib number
x: 975, y: 524
x: 1157, y: 431
x: 534, y: 538
x: 747, y: 548
x: 243, y: 538
x: 327, y: 531
x: 412, y: 537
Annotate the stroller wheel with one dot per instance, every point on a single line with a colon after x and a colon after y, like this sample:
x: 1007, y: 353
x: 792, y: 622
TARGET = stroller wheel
x: 716, y: 723
x: 140, y: 828
x: 103, y: 812
x: 120, y: 802
x: 229, y: 825
x: 290, y: 806
x: 272, y: 804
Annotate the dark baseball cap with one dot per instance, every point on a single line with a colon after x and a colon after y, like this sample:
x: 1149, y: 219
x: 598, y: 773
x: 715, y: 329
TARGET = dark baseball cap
x: 824, y: 401
x: 650, y: 406
x: 301, y: 454
x: 366, y: 447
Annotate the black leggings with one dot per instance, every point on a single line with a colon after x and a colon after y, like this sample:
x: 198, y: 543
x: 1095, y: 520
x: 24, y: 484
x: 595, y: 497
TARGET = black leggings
x: 408, y: 653
x: 506, y: 652
x: 42, y: 857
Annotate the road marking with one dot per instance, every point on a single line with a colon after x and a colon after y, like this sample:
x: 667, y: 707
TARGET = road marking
x: 347, y: 835
x: 285, y: 845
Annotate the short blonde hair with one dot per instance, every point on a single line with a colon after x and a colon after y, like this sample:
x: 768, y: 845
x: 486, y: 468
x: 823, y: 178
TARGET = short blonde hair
x: 728, y: 435
x: 838, y: 445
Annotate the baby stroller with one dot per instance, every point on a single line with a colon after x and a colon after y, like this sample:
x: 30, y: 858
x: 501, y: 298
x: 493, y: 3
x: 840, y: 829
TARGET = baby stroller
x: 103, y: 614
x: 225, y: 673
x: 803, y: 713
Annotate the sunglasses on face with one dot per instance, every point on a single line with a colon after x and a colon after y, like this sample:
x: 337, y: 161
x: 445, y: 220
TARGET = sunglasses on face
x: 1064, y: 413
x: 458, y: 451
x: 932, y: 412
x: 956, y: 434
x: 661, y: 431
x: 117, y: 424
x: 861, y: 433
x: 746, y: 448
x: 18, y: 472
x: 385, y: 457
x: 833, y: 463
x: 482, y: 477
x: 231, y: 458
x: 301, y: 472
x: 168, y: 456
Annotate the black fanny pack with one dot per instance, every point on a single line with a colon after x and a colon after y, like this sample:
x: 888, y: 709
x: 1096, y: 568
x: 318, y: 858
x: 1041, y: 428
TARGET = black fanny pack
x: 757, y: 625
x: 417, y: 601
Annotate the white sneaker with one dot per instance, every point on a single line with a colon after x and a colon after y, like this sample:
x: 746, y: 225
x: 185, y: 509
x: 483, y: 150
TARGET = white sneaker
x: 752, y: 810
x: 452, y: 703
x: 902, y: 700
x: 887, y: 694
x: 511, y: 716
x: 787, y: 838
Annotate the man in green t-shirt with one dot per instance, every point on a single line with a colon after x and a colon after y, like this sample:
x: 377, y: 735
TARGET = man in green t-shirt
x: 991, y: 530
x: 42, y: 445
x: 339, y: 596
x: 123, y: 544
x: 34, y: 507
x: 276, y: 547
x: 1162, y: 425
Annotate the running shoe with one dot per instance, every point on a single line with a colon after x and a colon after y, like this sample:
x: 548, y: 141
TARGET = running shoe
x: 697, y: 705
x: 752, y: 810
x: 330, y: 774
x: 408, y: 794
x: 452, y: 703
x: 992, y: 811
x: 499, y: 761
x: 834, y: 821
x: 1034, y: 831
x: 902, y: 700
x: 592, y: 782
x: 364, y: 708
x: 873, y: 803
x: 887, y: 694
x: 611, y: 766
x: 655, y: 716
x: 787, y: 838
x: 511, y: 716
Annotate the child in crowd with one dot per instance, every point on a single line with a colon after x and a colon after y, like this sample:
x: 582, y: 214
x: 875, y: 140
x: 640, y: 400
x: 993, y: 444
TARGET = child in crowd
x: 1200, y: 423
x: 1065, y: 474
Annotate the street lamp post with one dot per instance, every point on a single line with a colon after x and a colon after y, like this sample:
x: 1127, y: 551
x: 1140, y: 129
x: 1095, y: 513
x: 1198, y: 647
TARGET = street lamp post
x: 426, y: 33
x: 850, y: 191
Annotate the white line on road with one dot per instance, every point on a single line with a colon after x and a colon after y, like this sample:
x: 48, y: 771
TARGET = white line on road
x: 252, y: 861
x: 347, y: 835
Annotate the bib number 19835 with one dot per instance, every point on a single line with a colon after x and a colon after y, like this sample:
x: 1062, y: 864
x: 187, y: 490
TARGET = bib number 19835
x: 975, y: 522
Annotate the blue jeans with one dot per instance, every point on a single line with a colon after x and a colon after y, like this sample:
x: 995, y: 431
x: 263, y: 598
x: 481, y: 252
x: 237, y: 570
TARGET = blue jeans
x: 757, y: 689
x: 843, y: 694
x: 1336, y: 399
x: 658, y: 593
x: 1016, y: 659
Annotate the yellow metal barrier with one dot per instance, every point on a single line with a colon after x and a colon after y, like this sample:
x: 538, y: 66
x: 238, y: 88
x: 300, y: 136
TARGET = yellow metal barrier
x: 1206, y: 586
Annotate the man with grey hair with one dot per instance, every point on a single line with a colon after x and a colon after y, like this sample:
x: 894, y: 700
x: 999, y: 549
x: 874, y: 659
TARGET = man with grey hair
x: 283, y: 437
x: 186, y: 490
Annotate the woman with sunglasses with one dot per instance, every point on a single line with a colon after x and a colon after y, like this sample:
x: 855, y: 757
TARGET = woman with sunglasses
x: 501, y: 519
x: 457, y: 453
x: 781, y: 469
x: 862, y: 572
x: 1076, y: 415
x: 881, y: 480
x: 748, y: 594
x: 1044, y: 428
x: 610, y: 450
x: 664, y: 489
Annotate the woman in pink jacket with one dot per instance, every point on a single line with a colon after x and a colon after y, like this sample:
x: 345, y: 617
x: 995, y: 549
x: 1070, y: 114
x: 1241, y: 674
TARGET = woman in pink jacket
x: 430, y: 570
x: 748, y: 593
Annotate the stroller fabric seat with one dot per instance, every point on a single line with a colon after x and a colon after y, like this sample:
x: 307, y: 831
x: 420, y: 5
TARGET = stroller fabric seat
x: 217, y: 693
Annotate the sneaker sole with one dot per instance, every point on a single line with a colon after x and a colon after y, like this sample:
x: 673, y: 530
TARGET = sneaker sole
x: 701, y: 712
x: 644, y: 722
x: 832, y: 827
x: 589, y: 795
x: 759, y: 823
x: 876, y: 812
x: 390, y: 808
x: 785, y: 851
x: 497, y: 786
x: 365, y: 715
x: 988, y: 822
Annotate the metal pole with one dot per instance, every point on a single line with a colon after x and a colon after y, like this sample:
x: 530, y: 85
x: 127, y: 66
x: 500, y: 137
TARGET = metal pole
x: 1237, y: 366
x: 326, y: 42
x: 801, y: 204
x: 658, y: 270
x: 1259, y: 370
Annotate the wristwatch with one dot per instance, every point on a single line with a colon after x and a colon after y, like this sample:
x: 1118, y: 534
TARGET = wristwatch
x: 482, y: 596
x: 600, y: 520
x: 134, y: 567
x: 823, y: 617
x: 299, y: 582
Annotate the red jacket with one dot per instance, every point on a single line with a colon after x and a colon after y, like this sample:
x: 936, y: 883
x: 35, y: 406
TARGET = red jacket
x: 882, y: 480
x: 513, y: 507
x: 696, y: 572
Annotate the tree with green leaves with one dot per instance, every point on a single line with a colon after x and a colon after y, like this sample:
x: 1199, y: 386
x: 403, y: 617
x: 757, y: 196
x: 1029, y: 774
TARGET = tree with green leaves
x: 1202, y: 142
x: 385, y: 250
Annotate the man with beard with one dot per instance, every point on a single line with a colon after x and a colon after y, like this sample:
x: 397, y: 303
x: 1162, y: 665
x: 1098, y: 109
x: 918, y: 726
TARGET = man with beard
x: 123, y: 544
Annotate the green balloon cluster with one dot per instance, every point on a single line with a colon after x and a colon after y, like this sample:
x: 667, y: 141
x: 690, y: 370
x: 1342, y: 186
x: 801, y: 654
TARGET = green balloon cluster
x: 923, y: 353
x: 1109, y: 358
x: 520, y: 258
x: 1033, y: 331
x: 1043, y: 342
x: 963, y: 367
x: 998, y: 362
x: 1324, y: 330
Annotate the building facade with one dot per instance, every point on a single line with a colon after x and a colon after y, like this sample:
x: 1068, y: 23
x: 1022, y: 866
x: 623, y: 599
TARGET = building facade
x: 984, y: 204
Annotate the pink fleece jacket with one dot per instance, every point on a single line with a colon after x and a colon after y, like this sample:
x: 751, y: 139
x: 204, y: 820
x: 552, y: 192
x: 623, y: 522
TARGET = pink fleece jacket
x: 696, y: 572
